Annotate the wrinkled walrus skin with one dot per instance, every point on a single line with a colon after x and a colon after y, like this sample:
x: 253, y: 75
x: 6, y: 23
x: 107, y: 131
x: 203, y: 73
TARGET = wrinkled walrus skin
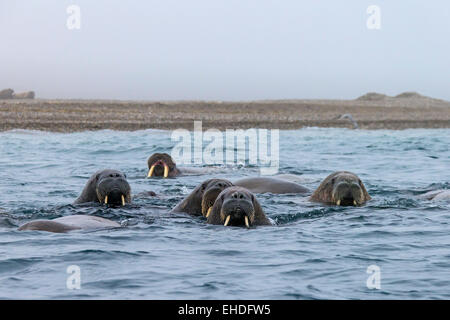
x: 437, y: 195
x: 162, y: 165
x: 236, y: 206
x: 270, y: 185
x: 70, y: 223
x: 341, y: 188
x: 106, y: 186
x: 202, y: 198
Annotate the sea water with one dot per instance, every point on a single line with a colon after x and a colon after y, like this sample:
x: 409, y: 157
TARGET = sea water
x: 314, y: 251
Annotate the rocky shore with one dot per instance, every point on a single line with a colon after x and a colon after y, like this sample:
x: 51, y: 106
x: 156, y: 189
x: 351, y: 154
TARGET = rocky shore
x: 370, y: 111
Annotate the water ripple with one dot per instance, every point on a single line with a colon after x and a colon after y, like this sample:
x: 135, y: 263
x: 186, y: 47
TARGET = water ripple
x: 315, y: 251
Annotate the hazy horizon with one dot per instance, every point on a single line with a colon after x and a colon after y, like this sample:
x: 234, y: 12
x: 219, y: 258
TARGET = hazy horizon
x: 224, y: 49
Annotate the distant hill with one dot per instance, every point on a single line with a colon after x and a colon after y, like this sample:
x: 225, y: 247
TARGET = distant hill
x: 406, y: 99
x: 372, y: 96
x: 413, y: 95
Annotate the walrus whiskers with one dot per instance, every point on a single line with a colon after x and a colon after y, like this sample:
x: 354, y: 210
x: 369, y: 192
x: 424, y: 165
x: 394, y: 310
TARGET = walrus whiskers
x: 152, y: 169
x: 105, y: 187
x: 239, y: 204
x: 164, y: 161
x: 342, y: 188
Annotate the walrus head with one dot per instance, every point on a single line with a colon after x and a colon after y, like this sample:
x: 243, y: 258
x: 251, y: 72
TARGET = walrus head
x: 201, y: 199
x: 235, y: 206
x: 210, y: 190
x: 161, y: 165
x: 112, y: 188
x: 342, y: 188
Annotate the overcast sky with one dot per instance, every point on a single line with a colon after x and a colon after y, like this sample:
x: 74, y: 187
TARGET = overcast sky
x: 224, y: 49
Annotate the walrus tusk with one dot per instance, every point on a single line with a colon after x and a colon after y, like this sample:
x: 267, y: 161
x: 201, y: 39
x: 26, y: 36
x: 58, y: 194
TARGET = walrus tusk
x: 166, y: 170
x: 150, y: 172
x: 338, y: 202
x: 106, y: 200
x: 209, y: 212
x: 227, y: 220
x: 123, y: 200
x: 246, y: 222
x: 354, y: 203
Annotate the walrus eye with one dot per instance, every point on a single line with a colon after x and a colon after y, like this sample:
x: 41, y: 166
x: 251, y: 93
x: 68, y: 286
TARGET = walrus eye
x: 333, y: 180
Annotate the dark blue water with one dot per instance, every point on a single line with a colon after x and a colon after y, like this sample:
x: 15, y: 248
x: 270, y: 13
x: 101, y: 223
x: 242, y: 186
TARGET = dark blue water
x: 314, y: 252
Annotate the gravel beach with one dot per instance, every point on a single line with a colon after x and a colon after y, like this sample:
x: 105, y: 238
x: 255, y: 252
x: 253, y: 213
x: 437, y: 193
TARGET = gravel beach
x: 370, y: 111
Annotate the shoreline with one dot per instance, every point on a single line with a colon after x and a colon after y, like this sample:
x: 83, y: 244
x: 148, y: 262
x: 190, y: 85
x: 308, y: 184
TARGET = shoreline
x: 81, y: 115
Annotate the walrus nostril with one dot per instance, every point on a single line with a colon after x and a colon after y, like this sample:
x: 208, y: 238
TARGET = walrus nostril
x: 106, y: 186
x: 237, y: 195
x: 238, y: 208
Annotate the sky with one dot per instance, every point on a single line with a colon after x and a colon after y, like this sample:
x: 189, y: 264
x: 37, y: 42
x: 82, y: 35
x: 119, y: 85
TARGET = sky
x: 224, y: 49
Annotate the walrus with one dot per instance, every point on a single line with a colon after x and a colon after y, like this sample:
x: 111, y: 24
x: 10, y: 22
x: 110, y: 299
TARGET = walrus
x: 437, y: 195
x: 270, y: 185
x: 162, y: 165
x: 201, y: 199
x: 342, y: 188
x: 70, y: 223
x: 24, y: 95
x: 237, y: 206
x: 106, y: 186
